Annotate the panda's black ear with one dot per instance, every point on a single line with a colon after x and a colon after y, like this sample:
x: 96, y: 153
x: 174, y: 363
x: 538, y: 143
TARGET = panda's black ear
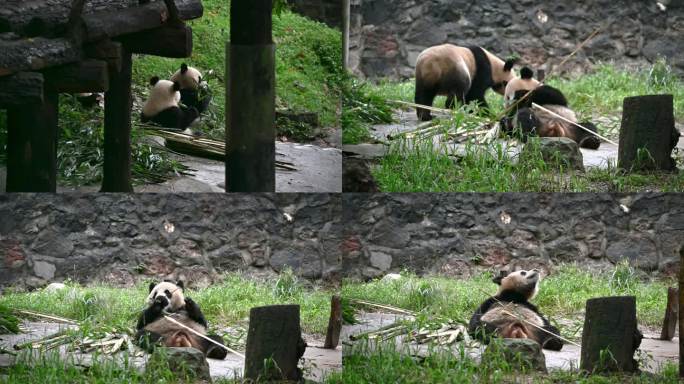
x: 508, y: 65
x: 180, y: 284
x: 497, y: 278
x: 526, y: 73
x: 152, y: 285
x: 176, y: 86
x: 154, y: 80
x: 184, y: 68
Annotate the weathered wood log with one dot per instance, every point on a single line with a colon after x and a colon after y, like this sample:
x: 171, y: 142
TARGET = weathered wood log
x: 167, y: 41
x: 107, y: 50
x: 35, y: 54
x: 610, y: 335
x: 20, y: 89
x: 50, y: 18
x: 647, y: 133
x: 83, y: 76
x: 32, y: 145
x: 671, y: 315
x: 117, y: 129
x: 332, y: 336
x: 274, y: 333
x: 100, y: 25
x: 250, y: 99
x: 681, y: 313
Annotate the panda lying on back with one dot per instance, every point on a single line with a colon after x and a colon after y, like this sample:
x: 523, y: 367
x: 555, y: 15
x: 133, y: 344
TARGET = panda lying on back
x: 502, y: 314
x: 529, y: 121
x: 166, y: 298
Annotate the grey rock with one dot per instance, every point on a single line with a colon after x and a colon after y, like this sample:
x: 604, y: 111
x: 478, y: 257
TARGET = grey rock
x: 44, y: 270
x: 54, y: 287
x: 639, y: 250
x: 520, y: 353
x: 557, y: 150
x: 188, y: 361
x: 381, y: 260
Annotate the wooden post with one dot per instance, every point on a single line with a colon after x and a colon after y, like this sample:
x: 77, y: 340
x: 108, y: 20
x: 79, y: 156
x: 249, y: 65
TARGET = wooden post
x: 671, y: 314
x: 610, y: 335
x: 250, y: 98
x: 332, y: 337
x: 117, y: 129
x: 346, y: 15
x: 274, y: 339
x: 647, y: 125
x: 681, y: 313
x: 32, y: 145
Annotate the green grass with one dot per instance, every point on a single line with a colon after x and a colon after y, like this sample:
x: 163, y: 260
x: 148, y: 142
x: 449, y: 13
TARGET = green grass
x: 387, y: 365
x: 561, y: 295
x: 309, y: 78
x: 226, y: 303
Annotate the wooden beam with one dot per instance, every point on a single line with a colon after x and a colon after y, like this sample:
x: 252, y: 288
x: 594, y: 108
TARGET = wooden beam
x: 117, y: 129
x: 84, y: 76
x: 32, y: 145
x: 250, y: 99
x: 167, y: 41
x: 20, y: 89
x: 107, y: 50
x: 35, y: 54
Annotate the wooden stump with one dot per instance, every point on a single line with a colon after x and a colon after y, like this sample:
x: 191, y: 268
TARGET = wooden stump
x: 681, y: 313
x: 250, y: 99
x: 117, y: 129
x: 647, y: 133
x: 610, y: 325
x: 32, y: 145
x: 274, y: 338
x: 671, y: 314
x: 332, y: 336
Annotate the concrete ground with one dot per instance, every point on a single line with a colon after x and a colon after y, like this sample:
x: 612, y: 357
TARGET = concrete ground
x: 319, y: 169
x: 568, y: 358
x: 407, y: 121
x: 317, y: 362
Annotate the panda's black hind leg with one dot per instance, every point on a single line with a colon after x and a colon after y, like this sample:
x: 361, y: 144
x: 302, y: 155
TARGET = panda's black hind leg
x: 424, y: 96
x: 586, y: 139
x: 549, y: 340
x: 147, y: 340
x: 213, y: 351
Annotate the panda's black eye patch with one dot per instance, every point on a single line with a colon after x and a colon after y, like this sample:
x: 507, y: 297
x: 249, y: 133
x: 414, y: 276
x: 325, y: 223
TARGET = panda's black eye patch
x: 523, y: 273
x: 167, y: 293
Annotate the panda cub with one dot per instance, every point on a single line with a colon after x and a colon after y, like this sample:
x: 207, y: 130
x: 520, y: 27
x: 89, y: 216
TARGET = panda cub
x: 163, y: 108
x: 459, y: 73
x: 194, y: 92
x: 166, y: 298
x: 526, y: 120
x: 501, y: 315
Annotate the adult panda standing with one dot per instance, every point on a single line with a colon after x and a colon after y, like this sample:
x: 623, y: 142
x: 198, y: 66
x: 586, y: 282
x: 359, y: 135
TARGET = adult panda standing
x: 509, y: 313
x: 525, y: 120
x: 167, y: 299
x: 463, y: 73
x: 163, y: 108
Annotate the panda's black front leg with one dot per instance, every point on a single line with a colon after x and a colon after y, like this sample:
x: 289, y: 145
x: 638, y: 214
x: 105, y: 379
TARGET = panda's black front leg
x: 153, y: 312
x: 194, y: 312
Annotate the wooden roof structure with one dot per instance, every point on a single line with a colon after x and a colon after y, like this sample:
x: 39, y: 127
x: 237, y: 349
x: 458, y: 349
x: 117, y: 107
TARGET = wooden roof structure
x: 53, y: 46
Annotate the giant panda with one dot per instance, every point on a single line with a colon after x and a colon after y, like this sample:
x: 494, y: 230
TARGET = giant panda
x: 194, y: 92
x: 163, y: 108
x: 166, y: 298
x: 463, y: 73
x: 525, y: 120
x: 494, y: 316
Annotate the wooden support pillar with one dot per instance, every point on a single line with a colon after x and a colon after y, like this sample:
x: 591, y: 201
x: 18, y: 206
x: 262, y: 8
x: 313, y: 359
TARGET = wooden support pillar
x: 346, y: 22
x: 274, y: 334
x: 671, y: 315
x: 610, y: 335
x: 117, y: 129
x: 250, y: 98
x: 32, y: 145
x: 647, y: 133
x: 681, y: 313
x: 332, y: 336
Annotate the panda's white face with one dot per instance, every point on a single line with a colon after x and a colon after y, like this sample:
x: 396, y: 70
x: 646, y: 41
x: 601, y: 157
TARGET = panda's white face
x: 188, y: 77
x: 172, y: 292
x: 525, y: 282
x: 518, y: 84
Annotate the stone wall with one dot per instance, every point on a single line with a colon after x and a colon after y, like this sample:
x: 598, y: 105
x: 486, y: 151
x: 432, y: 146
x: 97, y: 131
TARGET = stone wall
x: 325, y: 11
x: 388, y: 35
x: 121, y: 238
x: 456, y: 234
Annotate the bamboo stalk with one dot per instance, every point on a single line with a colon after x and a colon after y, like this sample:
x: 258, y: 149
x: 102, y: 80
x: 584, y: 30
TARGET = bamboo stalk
x: 60, y: 319
x: 414, y: 105
x: 204, y: 337
x: 535, y: 105
x: 387, y: 307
